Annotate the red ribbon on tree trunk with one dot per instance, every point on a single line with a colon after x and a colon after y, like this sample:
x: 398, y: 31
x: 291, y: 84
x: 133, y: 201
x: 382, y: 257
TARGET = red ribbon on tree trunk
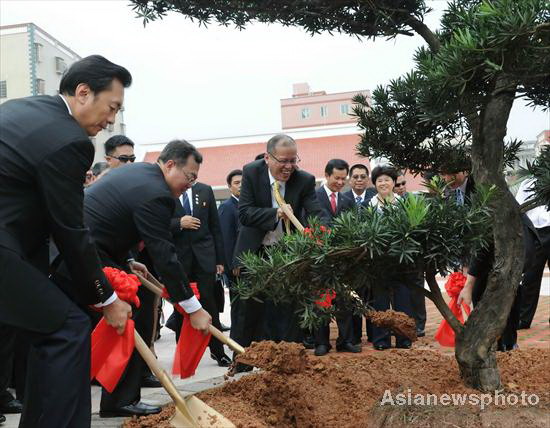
x: 111, y: 351
x: 191, y: 344
x: 445, y: 335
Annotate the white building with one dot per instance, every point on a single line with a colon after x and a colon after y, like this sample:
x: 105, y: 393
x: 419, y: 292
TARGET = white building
x: 32, y: 62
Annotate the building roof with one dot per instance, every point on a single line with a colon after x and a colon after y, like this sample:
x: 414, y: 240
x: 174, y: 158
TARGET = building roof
x: 314, y: 154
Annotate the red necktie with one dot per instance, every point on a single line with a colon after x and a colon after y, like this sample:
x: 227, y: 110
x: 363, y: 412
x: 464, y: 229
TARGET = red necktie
x: 333, y: 202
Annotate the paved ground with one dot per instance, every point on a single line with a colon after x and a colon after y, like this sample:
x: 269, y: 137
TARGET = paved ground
x: 210, y: 375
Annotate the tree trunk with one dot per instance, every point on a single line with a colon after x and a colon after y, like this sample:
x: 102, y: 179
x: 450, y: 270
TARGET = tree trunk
x: 476, y: 344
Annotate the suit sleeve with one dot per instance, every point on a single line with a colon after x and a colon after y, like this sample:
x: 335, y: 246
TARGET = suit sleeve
x: 215, y: 228
x: 60, y: 178
x: 228, y: 229
x: 153, y: 219
x: 311, y: 202
x: 250, y: 214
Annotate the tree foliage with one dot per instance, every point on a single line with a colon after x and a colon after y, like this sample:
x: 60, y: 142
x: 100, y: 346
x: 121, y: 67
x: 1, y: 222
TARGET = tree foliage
x: 425, y: 119
x: 364, y: 248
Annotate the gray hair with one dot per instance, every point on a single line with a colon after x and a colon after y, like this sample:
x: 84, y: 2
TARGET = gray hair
x: 282, y: 140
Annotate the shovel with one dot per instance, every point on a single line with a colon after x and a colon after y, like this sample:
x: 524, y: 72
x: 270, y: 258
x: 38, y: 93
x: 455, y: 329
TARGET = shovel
x: 191, y: 412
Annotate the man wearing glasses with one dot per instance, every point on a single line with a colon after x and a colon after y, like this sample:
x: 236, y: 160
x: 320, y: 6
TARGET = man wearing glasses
x: 360, y: 191
x: 119, y: 150
x: 263, y: 224
x: 132, y: 205
x: 401, y: 185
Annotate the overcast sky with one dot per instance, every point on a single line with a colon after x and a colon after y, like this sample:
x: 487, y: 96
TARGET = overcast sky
x: 192, y: 82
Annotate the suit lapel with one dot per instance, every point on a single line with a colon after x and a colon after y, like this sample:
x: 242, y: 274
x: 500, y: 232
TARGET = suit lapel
x: 265, y: 187
x: 323, y: 199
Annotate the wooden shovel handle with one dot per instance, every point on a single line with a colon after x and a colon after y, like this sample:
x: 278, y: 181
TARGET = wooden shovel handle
x: 163, y: 377
x: 286, y: 209
x: 213, y: 330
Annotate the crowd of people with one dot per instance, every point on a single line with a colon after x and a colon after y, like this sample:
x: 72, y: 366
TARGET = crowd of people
x: 61, y: 222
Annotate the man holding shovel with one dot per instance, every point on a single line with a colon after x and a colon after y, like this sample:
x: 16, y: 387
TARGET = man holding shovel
x: 136, y: 204
x: 45, y: 153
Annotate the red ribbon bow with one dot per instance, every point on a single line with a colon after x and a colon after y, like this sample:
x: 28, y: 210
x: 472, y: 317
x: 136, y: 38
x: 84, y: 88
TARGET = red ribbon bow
x: 191, y: 344
x: 110, y: 351
x: 325, y: 299
x: 445, y: 335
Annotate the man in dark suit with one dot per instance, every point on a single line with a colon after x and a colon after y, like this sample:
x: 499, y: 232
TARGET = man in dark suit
x: 415, y: 281
x: 461, y: 185
x: 333, y: 203
x: 199, y: 243
x: 361, y: 193
x: 262, y: 225
x: 45, y: 153
x: 229, y: 223
x: 133, y: 204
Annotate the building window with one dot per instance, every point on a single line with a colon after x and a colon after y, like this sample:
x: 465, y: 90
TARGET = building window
x: 38, y: 52
x: 344, y: 109
x: 3, y: 89
x: 305, y: 113
x: 60, y: 65
x: 324, y: 111
x: 40, y: 87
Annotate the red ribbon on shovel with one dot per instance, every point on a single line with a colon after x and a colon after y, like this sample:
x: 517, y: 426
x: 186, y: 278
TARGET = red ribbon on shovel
x: 110, y: 351
x: 191, y: 344
x: 445, y: 335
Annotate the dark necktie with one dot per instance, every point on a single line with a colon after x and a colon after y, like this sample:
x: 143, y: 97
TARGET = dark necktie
x: 358, y: 200
x: 186, y: 204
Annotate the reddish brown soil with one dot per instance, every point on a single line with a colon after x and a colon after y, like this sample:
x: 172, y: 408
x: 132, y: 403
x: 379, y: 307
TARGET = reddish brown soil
x: 399, y: 322
x: 344, y: 390
x: 284, y: 358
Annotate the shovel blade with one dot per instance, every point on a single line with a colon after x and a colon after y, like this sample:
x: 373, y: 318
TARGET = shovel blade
x: 202, y: 413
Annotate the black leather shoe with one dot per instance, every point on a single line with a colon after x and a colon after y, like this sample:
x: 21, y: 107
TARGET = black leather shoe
x: 381, y: 347
x: 420, y: 333
x: 308, y: 342
x: 524, y: 326
x: 404, y: 346
x: 243, y: 368
x: 2, y: 419
x: 321, y: 350
x: 222, y: 360
x: 136, y: 409
x: 150, y: 381
x: 11, y: 407
x: 348, y: 347
x: 224, y: 327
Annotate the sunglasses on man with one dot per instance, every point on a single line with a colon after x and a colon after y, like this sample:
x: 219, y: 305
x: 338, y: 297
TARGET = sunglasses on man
x: 125, y: 158
x: 400, y: 184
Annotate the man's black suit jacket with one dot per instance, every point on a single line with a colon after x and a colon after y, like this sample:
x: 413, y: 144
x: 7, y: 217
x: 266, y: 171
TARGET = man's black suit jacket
x: 370, y: 192
x: 343, y: 204
x: 229, y: 223
x: 205, y: 243
x: 256, y: 213
x: 44, y: 156
x: 130, y: 204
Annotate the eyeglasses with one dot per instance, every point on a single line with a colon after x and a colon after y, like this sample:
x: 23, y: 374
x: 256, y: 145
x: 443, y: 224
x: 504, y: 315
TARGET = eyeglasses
x: 191, y: 177
x: 400, y: 184
x: 294, y: 161
x: 360, y: 176
x: 125, y: 158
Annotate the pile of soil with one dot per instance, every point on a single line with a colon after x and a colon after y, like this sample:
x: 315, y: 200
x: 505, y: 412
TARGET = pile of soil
x: 345, y: 390
x: 399, y: 322
x: 284, y: 357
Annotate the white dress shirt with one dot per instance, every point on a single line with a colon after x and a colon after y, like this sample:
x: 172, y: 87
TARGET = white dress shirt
x: 355, y: 196
x: 330, y: 192
x: 540, y: 216
x: 273, y: 236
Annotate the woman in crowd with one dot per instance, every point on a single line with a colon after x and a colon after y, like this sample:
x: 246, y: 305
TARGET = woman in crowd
x: 391, y: 288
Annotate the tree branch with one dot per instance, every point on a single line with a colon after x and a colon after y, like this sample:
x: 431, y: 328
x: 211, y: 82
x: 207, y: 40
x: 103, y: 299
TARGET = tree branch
x: 440, y: 303
x: 424, y: 31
